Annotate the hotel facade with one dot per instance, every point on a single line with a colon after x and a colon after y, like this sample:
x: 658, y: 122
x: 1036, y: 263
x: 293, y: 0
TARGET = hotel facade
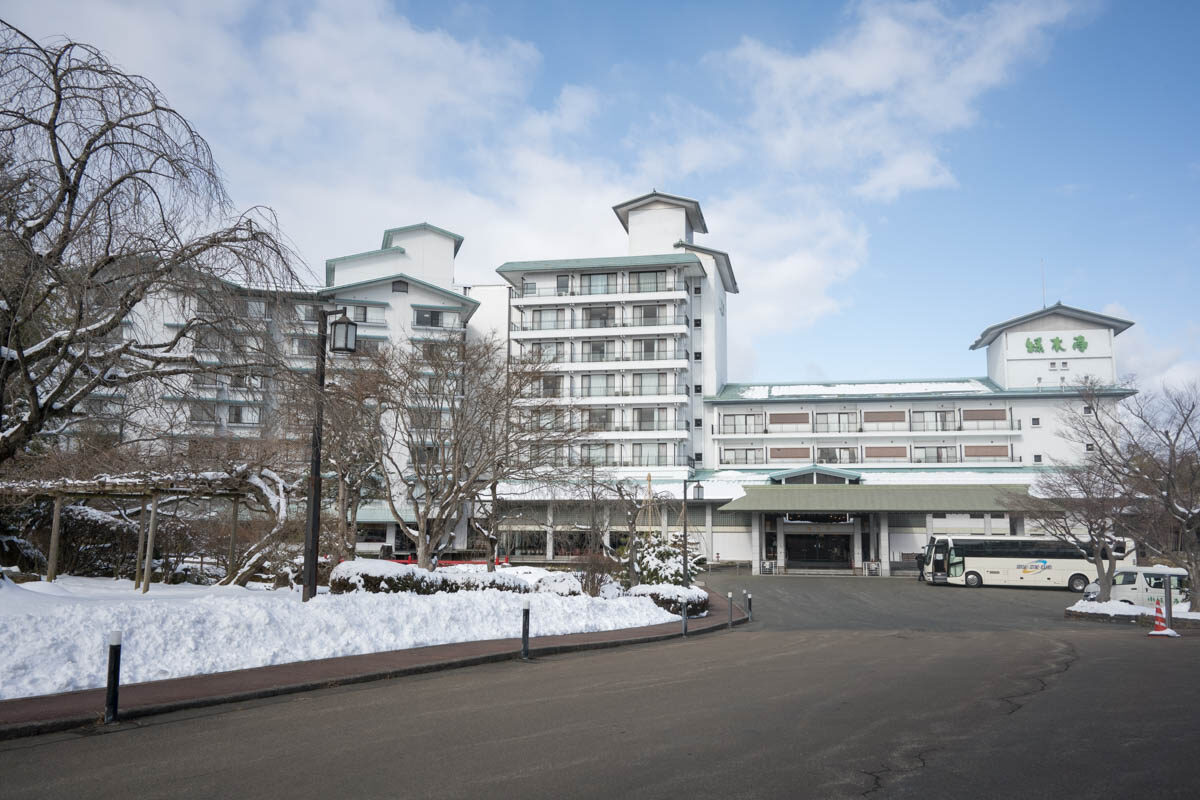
x: 846, y: 476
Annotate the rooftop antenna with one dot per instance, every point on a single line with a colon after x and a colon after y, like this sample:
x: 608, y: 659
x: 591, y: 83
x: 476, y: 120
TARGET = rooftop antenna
x: 1043, y: 283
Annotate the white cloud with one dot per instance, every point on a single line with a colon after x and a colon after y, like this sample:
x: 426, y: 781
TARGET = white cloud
x: 875, y: 100
x: 1152, y: 362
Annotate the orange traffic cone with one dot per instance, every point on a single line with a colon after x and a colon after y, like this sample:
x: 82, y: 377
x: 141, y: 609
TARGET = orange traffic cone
x: 1160, y: 622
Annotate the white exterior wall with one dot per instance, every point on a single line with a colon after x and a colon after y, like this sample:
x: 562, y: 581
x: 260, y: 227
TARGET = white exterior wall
x: 655, y: 228
x: 491, y: 318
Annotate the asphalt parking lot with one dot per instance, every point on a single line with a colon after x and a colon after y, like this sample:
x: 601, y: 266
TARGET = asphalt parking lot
x: 842, y: 687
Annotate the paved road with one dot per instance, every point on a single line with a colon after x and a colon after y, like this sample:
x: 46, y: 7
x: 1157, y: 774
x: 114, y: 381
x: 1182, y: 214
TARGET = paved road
x: 841, y: 687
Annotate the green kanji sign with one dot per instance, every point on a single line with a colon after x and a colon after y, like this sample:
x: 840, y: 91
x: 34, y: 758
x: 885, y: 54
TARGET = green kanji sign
x: 1080, y: 344
x: 1056, y: 345
x: 1035, y: 345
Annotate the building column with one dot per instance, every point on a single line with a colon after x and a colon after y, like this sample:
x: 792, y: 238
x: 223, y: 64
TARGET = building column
x: 856, y: 558
x: 872, y: 544
x: 708, y: 533
x: 885, y: 550
x: 390, y: 536
x: 780, y: 547
x: 756, y: 543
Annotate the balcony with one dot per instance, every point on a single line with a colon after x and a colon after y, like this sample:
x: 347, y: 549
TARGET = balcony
x: 836, y: 427
x: 611, y: 287
x: 640, y: 461
x: 741, y: 457
x: 630, y: 391
x: 603, y: 322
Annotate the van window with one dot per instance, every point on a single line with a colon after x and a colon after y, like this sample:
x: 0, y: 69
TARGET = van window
x: 1124, y: 579
x: 1156, y: 581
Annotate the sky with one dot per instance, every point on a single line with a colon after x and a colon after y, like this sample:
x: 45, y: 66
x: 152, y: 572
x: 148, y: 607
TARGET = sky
x: 889, y: 178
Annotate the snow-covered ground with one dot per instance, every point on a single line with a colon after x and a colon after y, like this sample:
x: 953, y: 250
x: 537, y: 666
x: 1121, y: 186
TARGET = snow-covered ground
x: 1115, y: 608
x: 53, y: 637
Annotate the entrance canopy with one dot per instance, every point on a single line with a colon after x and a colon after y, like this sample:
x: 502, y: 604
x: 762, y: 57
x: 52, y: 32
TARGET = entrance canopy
x: 850, y: 498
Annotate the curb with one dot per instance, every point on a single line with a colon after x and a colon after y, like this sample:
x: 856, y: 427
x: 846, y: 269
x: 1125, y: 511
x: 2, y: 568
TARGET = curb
x: 34, y: 728
x: 1144, y: 620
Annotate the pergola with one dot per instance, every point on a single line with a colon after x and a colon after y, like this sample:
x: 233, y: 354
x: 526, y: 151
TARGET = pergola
x: 237, y: 484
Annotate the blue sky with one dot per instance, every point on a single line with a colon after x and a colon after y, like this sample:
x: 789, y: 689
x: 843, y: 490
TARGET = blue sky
x: 888, y: 178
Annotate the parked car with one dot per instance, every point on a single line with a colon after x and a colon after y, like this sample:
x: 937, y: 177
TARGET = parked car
x: 1142, y: 586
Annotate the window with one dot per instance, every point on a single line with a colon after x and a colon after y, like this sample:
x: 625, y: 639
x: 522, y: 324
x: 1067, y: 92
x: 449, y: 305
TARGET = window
x: 699, y: 388
x: 976, y: 516
x: 1125, y: 579
x: 647, y: 281
x: 309, y: 313
x: 356, y: 313
x: 699, y: 489
x: 696, y: 356
x: 1087, y: 409
x: 1090, y: 447
x: 204, y: 379
x: 304, y: 347
x: 1053, y: 365
x: 562, y: 284
x: 1037, y: 459
x: 528, y: 288
x: 698, y: 422
x: 1063, y: 365
x: 838, y: 421
x: 399, y: 286
x: 938, y: 515
x: 243, y: 415
x: 256, y: 309
x: 1036, y: 422
x: 429, y: 319
x: 202, y: 412
x: 696, y: 323
x: 696, y: 290
x: 997, y: 515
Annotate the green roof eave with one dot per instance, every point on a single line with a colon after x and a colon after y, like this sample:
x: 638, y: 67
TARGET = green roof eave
x: 836, y: 498
x: 607, y: 262
x: 424, y: 226
x: 1116, y: 323
x: 724, y: 266
x: 783, y: 475
x: 729, y: 394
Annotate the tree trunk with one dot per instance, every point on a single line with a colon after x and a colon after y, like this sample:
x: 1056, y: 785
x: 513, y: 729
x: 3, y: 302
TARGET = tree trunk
x: 490, y: 544
x: 338, y: 551
x: 352, y: 534
x: 424, y: 561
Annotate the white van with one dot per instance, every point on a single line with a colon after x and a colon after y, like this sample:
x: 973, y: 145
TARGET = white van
x: 1142, y: 586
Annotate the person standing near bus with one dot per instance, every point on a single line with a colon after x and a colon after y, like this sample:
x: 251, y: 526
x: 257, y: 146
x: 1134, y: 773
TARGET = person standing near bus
x: 921, y: 565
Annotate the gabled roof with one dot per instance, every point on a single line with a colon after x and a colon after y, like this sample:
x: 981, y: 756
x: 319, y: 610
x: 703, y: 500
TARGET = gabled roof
x: 989, y: 334
x: 782, y: 475
x: 692, y: 207
x: 468, y: 304
x: 724, y: 267
x: 423, y: 226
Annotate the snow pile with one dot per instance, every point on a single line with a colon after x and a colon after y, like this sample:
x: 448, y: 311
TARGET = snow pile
x: 762, y: 392
x: 563, y: 583
x: 55, y: 638
x: 1115, y: 608
x: 692, y: 594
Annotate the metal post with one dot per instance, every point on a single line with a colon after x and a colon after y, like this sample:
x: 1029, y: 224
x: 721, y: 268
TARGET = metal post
x: 525, y: 629
x: 312, y: 530
x: 684, y: 613
x: 1168, y: 604
x: 750, y: 607
x: 55, y: 531
x: 729, y: 596
x: 114, y: 677
x: 148, y: 571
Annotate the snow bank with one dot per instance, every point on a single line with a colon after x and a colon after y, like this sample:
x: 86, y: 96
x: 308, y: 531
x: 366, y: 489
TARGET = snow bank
x: 1115, y: 608
x: 358, y: 574
x: 55, y: 640
x: 692, y: 594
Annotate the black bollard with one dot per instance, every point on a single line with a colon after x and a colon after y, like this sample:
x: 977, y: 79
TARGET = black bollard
x: 1168, y: 606
x: 685, y: 617
x: 525, y: 629
x: 750, y: 607
x: 114, y: 677
x: 730, y: 596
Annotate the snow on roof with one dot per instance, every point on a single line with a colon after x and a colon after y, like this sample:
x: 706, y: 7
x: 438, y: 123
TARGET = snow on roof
x: 764, y: 391
x: 949, y: 476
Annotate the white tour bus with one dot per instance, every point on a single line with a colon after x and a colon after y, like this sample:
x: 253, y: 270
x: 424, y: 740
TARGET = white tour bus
x: 999, y: 560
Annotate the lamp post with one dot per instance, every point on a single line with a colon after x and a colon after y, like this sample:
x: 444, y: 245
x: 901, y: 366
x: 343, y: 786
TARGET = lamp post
x: 345, y: 336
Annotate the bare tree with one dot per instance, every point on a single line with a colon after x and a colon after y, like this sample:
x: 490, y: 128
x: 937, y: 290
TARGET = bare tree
x: 438, y: 423
x: 350, y: 448
x: 112, y: 214
x: 1083, y: 506
x: 1150, y: 447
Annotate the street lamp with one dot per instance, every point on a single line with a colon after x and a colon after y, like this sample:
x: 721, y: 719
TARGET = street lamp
x: 345, y: 338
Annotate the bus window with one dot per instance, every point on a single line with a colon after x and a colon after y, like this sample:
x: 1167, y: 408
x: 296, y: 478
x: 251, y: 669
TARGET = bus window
x: 955, y: 564
x: 1125, y: 579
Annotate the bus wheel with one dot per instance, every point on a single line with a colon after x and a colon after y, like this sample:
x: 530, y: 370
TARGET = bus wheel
x: 973, y: 579
x: 1077, y: 583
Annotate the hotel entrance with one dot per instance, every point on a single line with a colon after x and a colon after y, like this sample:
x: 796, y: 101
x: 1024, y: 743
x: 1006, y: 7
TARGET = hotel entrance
x: 817, y: 550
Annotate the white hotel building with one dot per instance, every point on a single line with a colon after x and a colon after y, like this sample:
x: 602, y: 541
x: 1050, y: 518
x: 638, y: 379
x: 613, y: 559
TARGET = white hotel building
x: 839, y: 476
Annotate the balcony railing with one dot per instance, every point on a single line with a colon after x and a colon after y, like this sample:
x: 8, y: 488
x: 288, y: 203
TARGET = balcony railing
x: 611, y: 287
x: 741, y: 427
x: 933, y: 425
x: 630, y: 391
x: 836, y: 427
x: 604, y: 322
x: 742, y: 457
x: 843, y: 458
x: 940, y: 458
x: 640, y: 461
x: 589, y: 358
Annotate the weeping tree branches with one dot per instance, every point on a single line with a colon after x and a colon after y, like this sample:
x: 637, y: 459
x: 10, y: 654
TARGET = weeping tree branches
x: 112, y: 214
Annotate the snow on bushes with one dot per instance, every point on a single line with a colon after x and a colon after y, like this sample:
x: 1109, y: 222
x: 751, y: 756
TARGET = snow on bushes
x: 671, y: 598
x: 373, y: 575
